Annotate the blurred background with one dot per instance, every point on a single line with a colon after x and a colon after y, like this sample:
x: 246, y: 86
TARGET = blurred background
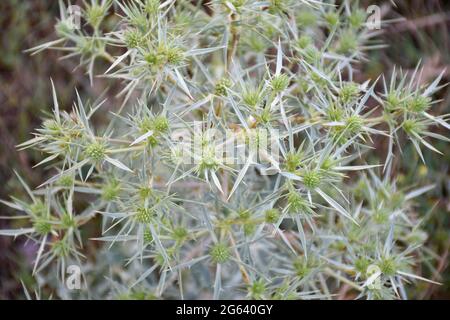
x: 25, y: 94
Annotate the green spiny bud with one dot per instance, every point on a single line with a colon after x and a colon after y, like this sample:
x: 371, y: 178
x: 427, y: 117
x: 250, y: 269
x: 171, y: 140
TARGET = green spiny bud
x: 388, y: 266
x: 335, y: 113
x: 134, y: 38
x: 357, y: 18
x: 354, y: 124
x: 301, y: 267
x: 52, y: 126
x: 148, y: 237
x: 209, y: 160
x: 312, y: 54
x: 220, y: 253
x: 66, y: 181
x: 257, y: 290
x: 361, y: 265
x: 180, y: 234
x: 279, y: 83
x: 251, y: 98
x: 175, y: 56
x: 312, y: 179
x: 145, y: 192
x: 349, y: 92
x: 42, y: 226
x: 161, y: 124
x: 418, y: 104
x: 272, y: 215
x: 412, y: 127
x: 293, y: 161
x: 222, y: 86
x: 296, y: 203
x: 393, y: 101
x: 348, y: 42
x: 111, y: 191
x: 68, y: 221
x: 306, y: 18
x: 332, y: 18
x: 144, y: 215
x: 95, y: 14
x: 304, y: 41
x: 96, y: 151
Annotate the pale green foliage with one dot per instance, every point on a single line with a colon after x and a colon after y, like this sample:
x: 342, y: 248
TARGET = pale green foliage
x: 287, y: 227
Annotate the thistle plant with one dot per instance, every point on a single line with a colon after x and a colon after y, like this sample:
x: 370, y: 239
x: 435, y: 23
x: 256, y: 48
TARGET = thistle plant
x: 240, y: 161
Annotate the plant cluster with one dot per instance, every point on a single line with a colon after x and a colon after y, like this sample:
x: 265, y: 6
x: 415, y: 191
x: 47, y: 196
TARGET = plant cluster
x: 324, y: 215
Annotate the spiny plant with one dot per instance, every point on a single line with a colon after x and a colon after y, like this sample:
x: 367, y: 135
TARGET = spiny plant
x: 306, y: 207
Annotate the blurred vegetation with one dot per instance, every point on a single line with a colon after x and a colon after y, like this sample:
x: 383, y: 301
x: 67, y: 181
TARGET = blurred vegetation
x: 422, y: 36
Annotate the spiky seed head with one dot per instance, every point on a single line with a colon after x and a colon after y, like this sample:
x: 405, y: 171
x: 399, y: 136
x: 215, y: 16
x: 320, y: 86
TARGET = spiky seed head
x: 65, y: 181
x: 96, y: 151
x: 304, y: 41
x: 388, y: 266
x: 111, y: 190
x: 293, y: 161
x: 133, y: 38
x: 148, y: 237
x: 144, y: 192
x: 251, y: 98
x: 180, y: 234
x: 222, y: 86
x: 412, y: 126
x: 312, y: 179
x: 265, y: 116
x: 354, y: 124
x: 152, y: 7
x: 361, y: 264
x: 357, y: 18
x: 393, y: 101
x: 175, y: 56
x: 160, y: 124
x: 42, y: 226
x: 301, y: 267
x: 51, y: 126
x: 331, y: 18
x: 418, y: 104
x: 94, y: 14
x: 257, y: 289
x: 349, y: 92
x: 220, y: 253
x: 152, y: 59
x: 348, y: 42
x: 64, y: 27
x: 312, y: 54
x: 144, y: 215
x: 208, y: 160
x: 272, y: 215
x: 279, y: 83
